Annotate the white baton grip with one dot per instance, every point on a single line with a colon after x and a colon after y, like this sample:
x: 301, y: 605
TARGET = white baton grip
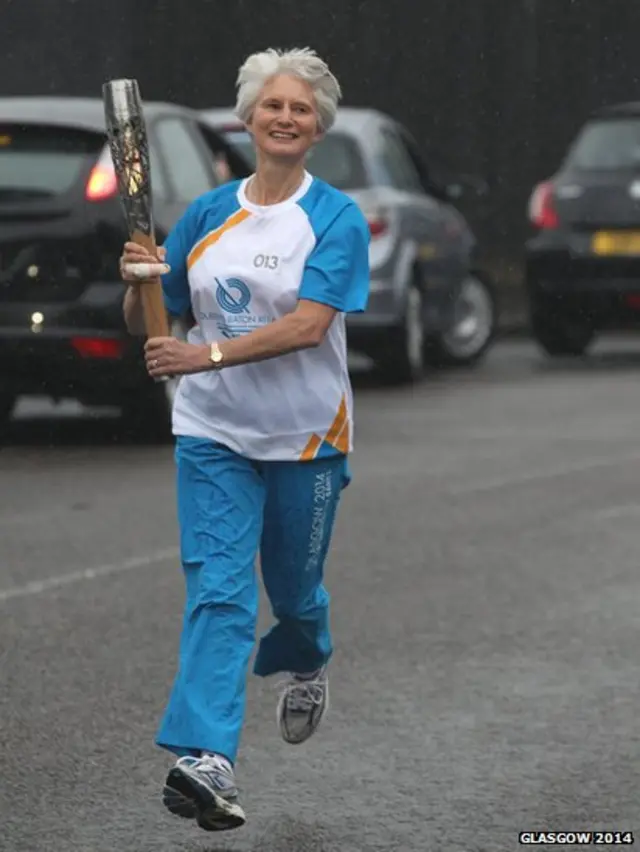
x: 144, y: 271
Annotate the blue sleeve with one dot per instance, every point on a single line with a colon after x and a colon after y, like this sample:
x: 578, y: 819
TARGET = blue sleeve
x: 337, y: 270
x: 179, y: 242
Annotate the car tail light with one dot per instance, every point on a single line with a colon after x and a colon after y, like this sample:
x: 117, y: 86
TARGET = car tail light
x: 102, y: 183
x: 98, y: 347
x: 378, y: 225
x: 542, y: 210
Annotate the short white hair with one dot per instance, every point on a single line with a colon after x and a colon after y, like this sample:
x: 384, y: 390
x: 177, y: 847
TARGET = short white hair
x: 301, y: 62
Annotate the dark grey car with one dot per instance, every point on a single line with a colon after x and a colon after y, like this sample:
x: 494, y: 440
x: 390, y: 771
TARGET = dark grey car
x: 583, y: 259
x: 428, y: 302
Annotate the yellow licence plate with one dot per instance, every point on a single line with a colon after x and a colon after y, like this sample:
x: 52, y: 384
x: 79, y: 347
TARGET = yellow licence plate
x: 606, y: 243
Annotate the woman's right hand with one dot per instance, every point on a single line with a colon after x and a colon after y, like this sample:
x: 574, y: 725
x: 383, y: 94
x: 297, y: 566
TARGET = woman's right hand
x: 138, y: 265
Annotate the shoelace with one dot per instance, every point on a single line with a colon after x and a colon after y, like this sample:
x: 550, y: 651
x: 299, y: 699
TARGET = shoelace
x: 187, y: 760
x: 302, y: 695
x: 210, y: 761
x: 206, y: 764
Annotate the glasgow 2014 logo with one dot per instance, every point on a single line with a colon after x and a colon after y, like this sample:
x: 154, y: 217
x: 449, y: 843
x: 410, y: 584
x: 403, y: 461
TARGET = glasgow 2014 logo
x: 233, y: 296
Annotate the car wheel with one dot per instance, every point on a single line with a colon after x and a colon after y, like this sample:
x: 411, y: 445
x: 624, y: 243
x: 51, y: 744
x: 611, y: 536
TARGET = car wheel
x: 404, y: 357
x: 147, y: 414
x: 7, y: 405
x: 472, y: 329
x: 561, y: 335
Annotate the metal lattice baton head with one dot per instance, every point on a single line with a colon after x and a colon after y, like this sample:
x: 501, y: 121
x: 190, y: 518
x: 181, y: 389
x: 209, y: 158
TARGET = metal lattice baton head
x: 129, y: 146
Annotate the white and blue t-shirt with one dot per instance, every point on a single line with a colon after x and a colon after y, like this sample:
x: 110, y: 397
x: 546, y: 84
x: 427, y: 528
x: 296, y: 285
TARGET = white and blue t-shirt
x: 239, y: 266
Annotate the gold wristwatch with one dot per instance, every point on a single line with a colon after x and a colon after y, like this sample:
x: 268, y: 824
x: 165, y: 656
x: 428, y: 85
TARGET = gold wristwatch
x: 215, y: 356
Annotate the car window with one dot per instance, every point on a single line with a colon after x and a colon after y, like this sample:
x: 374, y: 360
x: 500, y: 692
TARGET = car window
x: 336, y: 159
x: 159, y: 186
x: 41, y: 160
x: 398, y: 165
x: 190, y: 173
x: 241, y: 141
x: 422, y: 167
x: 609, y: 144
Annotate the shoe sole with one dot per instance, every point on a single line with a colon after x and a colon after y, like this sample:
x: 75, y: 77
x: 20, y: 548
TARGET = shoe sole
x: 177, y: 804
x: 212, y: 812
x: 280, y: 716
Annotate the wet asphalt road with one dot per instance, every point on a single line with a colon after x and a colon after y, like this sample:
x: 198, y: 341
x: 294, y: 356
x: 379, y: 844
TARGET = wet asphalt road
x: 486, y: 609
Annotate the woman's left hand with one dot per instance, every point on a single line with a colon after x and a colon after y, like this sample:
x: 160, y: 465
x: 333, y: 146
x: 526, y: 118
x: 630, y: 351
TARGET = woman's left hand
x: 168, y: 356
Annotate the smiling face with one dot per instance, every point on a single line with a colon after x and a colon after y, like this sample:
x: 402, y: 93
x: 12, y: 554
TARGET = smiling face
x: 284, y: 123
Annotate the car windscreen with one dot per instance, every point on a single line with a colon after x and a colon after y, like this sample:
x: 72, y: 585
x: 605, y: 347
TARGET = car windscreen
x: 335, y: 159
x: 43, y: 161
x: 606, y: 145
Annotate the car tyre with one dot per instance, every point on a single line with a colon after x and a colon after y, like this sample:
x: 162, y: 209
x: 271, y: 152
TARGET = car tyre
x: 473, y: 328
x: 561, y: 334
x: 147, y: 415
x: 403, y: 361
x: 7, y: 406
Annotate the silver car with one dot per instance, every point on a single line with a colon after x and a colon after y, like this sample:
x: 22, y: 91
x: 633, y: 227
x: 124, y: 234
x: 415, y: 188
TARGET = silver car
x: 428, y: 303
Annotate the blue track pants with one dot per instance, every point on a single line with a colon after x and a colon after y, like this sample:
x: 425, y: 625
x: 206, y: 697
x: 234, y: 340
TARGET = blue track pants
x: 230, y: 509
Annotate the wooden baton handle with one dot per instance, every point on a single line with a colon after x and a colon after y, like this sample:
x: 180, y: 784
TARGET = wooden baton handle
x: 156, y: 322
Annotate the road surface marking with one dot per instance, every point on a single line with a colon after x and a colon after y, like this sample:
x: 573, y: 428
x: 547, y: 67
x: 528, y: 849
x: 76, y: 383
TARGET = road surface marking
x: 36, y: 587
x: 624, y: 510
x: 521, y: 479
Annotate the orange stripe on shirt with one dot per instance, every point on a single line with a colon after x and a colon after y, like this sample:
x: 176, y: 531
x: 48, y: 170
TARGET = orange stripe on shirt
x: 338, y: 423
x: 198, y: 250
x: 337, y: 436
x: 313, y: 445
x: 342, y: 441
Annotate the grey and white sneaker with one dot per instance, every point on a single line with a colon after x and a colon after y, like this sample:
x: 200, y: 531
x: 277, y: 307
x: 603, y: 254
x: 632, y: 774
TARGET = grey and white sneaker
x: 204, y: 788
x: 302, y: 705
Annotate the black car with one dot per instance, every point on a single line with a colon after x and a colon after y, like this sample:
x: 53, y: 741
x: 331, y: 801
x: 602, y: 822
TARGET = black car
x: 583, y: 263
x: 62, y: 229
